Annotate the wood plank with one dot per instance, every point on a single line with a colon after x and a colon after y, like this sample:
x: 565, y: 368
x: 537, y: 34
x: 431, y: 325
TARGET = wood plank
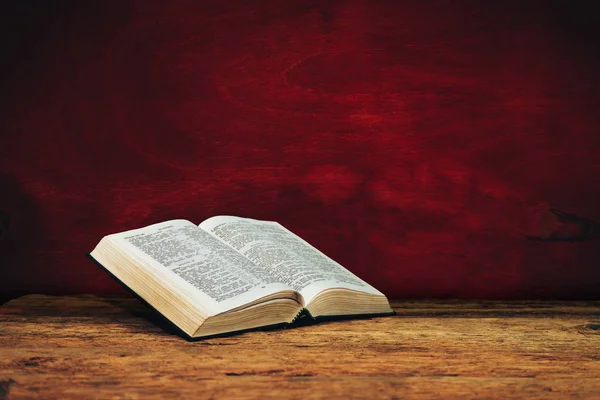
x: 113, y: 347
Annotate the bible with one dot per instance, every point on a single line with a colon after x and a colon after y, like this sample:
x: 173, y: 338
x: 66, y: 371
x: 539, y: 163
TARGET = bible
x: 232, y: 274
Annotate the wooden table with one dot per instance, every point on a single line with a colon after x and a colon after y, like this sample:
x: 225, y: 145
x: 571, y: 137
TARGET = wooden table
x: 103, y: 347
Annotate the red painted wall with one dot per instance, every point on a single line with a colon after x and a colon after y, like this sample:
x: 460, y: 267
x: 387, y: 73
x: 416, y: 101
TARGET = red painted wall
x: 417, y: 143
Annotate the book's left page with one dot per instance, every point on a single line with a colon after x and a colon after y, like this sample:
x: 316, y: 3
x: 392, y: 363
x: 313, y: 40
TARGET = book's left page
x: 186, y: 263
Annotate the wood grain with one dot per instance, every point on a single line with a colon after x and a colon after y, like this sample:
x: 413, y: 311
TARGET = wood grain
x: 113, y: 347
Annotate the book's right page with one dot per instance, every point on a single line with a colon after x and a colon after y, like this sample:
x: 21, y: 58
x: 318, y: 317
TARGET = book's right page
x: 284, y: 255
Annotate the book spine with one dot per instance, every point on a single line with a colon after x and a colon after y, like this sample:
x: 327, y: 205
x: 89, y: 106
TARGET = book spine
x: 297, y: 315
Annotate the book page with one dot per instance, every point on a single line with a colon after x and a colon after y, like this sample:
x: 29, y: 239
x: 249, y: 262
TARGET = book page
x: 284, y: 255
x: 218, y: 277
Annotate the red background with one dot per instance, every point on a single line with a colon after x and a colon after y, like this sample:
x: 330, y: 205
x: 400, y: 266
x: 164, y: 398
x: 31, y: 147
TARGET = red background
x: 413, y: 142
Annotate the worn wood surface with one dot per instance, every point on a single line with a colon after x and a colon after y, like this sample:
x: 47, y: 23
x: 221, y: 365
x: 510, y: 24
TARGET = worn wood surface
x: 102, y: 347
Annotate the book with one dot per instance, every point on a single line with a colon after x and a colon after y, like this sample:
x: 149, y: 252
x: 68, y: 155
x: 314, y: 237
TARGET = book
x: 232, y: 274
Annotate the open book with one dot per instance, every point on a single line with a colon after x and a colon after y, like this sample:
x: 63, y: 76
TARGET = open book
x: 232, y: 274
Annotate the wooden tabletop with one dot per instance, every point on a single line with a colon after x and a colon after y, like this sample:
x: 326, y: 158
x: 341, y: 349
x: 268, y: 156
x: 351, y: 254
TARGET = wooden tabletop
x: 114, y: 347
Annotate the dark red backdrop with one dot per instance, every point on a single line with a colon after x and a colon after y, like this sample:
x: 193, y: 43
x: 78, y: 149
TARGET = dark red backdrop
x: 413, y: 142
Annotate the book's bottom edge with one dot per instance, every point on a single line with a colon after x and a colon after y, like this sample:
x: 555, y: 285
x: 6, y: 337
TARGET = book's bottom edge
x: 303, y: 318
x: 273, y: 327
x: 352, y: 316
